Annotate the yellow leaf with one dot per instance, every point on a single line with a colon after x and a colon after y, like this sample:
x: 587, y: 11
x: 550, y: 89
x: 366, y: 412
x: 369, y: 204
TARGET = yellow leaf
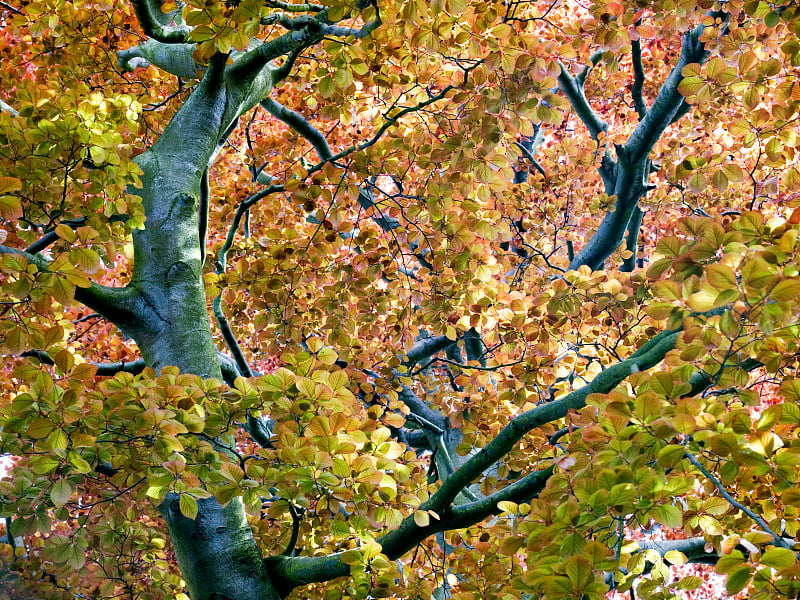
x: 786, y: 290
x: 701, y: 301
x: 10, y: 208
x: 327, y: 356
x: 675, y: 558
x: 421, y: 518
x: 456, y: 7
x: 10, y: 184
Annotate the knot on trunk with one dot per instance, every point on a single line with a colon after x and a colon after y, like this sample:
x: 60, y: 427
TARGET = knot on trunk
x: 183, y: 207
x: 179, y: 271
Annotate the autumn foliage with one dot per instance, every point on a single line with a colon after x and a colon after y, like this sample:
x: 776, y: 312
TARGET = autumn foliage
x: 506, y: 295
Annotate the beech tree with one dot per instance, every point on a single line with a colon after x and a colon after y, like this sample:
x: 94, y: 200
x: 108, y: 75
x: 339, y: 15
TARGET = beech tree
x: 362, y: 299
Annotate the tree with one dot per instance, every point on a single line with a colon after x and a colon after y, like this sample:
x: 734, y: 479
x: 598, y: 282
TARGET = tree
x: 500, y: 292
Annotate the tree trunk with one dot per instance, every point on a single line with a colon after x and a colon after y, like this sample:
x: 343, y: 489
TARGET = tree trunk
x: 217, y: 554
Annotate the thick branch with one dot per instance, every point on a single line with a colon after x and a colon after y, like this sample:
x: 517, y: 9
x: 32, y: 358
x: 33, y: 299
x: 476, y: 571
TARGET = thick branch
x: 118, y: 305
x: 573, y: 89
x: 253, y: 61
x: 287, y: 7
x: 359, y: 34
x: 521, y: 490
x: 669, y: 99
x: 149, y: 17
x: 299, y: 123
x: 646, y: 357
x: 425, y: 348
x: 693, y: 548
x: 429, y: 419
x: 632, y: 239
x: 230, y: 339
x: 631, y: 172
x: 474, y: 347
x: 216, y: 551
x: 302, y: 570
x: 701, y: 381
x: 175, y: 59
x: 9, y: 109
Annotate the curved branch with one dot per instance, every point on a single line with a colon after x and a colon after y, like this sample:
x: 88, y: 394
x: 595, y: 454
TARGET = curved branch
x: 358, y: 34
x: 669, y: 99
x: 149, y: 17
x: 103, y: 369
x: 175, y: 59
x: 118, y: 305
x: 425, y: 348
x: 51, y: 236
x: 632, y: 239
x: 693, y: 548
x: 535, y: 163
x: 573, y: 89
x: 302, y: 570
x: 299, y: 123
x: 429, y: 419
x: 287, y: 7
x: 701, y: 381
x: 230, y: 339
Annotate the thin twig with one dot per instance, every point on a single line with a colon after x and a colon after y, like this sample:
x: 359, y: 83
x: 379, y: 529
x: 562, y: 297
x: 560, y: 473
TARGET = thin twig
x: 733, y: 502
x: 11, y: 8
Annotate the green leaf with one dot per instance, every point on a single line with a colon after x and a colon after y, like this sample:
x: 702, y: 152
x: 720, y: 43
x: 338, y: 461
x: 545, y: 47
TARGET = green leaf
x: 327, y: 356
x: 669, y: 456
x: 79, y: 463
x: 689, y: 583
x: 188, y: 506
x: 10, y: 207
x: 668, y: 515
x: 60, y: 493
x: 788, y: 289
x: 690, y: 86
x: 327, y: 86
x: 730, y: 561
x: 57, y: 441
x: 738, y: 579
x: 579, y: 571
x: 791, y: 497
x: 778, y: 558
x: 44, y: 464
x: 10, y: 184
x: 572, y: 544
x: 226, y: 493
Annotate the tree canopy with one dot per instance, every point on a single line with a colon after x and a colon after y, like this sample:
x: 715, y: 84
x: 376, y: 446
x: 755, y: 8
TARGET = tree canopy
x: 375, y: 298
